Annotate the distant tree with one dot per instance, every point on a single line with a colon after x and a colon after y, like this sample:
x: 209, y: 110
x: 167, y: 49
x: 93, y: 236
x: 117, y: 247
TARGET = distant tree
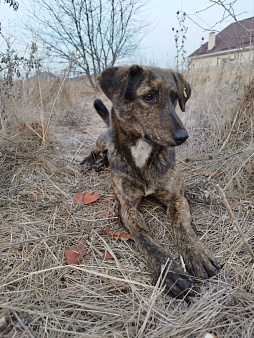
x: 12, y: 66
x: 88, y: 34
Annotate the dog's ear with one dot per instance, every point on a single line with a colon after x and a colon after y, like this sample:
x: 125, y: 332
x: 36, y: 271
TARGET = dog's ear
x: 135, y: 76
x: 184, y: 90
x: 111, y: 82
x: 115, y: 81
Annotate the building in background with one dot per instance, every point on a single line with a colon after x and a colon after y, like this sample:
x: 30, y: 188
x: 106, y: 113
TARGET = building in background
x: 233, y: 45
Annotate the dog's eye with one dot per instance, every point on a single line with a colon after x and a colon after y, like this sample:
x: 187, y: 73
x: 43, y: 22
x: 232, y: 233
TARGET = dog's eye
x: 150, y: 98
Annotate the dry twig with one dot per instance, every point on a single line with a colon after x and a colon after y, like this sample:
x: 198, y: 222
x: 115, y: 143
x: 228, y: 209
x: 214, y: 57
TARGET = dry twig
x: 232, y: 216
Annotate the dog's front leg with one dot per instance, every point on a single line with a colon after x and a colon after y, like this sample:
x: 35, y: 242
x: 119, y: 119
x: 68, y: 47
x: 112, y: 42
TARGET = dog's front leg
x: 177, y: 281
x: 198, y: 260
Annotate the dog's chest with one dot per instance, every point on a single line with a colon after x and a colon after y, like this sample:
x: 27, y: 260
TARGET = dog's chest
x: 141, y: 152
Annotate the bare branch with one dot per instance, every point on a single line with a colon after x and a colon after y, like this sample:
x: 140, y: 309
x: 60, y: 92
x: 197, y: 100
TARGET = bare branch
x: 93, y: 34
x: 228, y: 11
x: 13, y: 4
x: 232, y: 216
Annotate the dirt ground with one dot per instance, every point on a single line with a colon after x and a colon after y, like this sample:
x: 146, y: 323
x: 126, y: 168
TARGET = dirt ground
x: 42, y: 296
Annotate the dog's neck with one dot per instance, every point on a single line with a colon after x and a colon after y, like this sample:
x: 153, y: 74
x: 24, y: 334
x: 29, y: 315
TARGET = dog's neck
x: 137, y: 151
x: 124, y: 131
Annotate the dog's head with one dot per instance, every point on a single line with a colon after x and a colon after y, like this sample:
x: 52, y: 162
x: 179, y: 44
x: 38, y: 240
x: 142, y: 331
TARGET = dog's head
x: 144, y: 99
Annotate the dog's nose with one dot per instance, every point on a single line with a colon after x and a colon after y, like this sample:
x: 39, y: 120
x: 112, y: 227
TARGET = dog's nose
x: 180, y: 136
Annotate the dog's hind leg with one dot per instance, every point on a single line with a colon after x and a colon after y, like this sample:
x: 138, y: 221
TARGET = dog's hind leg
x: 98, y: 156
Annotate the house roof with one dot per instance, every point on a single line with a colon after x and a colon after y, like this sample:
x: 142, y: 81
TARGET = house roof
x: 235, y: 36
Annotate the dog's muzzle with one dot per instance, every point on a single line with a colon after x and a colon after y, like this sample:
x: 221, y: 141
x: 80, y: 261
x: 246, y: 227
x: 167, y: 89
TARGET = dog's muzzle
x: 180, y: 136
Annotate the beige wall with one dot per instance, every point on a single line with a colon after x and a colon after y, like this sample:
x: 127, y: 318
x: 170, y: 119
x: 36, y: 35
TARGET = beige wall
x: 243, y: 57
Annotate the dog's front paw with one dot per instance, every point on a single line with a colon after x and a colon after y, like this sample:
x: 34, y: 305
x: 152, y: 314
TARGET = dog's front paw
x: 198, y: 260
x: 178, y: 283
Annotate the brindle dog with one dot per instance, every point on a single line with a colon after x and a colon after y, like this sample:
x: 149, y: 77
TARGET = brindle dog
x: 140, y: 146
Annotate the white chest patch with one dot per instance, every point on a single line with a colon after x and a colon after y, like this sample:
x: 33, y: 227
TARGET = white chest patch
x: 141, y: 152
x: 149, y: 192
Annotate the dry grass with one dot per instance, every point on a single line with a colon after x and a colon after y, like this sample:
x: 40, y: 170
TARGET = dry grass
x: 41, y: 296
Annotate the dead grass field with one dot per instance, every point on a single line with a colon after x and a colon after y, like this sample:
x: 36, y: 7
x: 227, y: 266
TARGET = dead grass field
x: 42, y: 296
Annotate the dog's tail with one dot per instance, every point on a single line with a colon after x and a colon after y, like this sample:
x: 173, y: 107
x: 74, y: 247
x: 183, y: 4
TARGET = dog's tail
x: 102, y: 110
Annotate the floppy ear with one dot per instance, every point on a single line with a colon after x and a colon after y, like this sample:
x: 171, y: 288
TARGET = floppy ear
x: 184, y: 90
x: 115, y: 81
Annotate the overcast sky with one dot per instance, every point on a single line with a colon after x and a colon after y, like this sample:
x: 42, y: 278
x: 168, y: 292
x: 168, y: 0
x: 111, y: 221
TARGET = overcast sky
x: 158, y: 45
